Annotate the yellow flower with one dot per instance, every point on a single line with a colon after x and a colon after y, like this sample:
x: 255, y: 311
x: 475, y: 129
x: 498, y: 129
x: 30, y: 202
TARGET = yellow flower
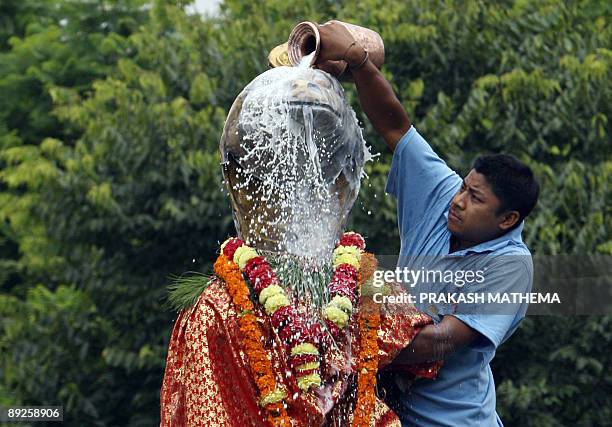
x: 307, y: 366
x: 305, y: 382
x: 269, y: 292
x: 343, y: 303
x: 275, y: 302
x: 339, y: 317
x: 346, y: 259
x: 273, y: 397
x: 305, y: 348
x: 353, y: 250
x: 243, y: 254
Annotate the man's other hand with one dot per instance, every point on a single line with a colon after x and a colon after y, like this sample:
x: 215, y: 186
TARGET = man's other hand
x: 435, y: 342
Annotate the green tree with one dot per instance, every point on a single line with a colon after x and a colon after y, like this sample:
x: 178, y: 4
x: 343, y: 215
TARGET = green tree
x: 44, y: 45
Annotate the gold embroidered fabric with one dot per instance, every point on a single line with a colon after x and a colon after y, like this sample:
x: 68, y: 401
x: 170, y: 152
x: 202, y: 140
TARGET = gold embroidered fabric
x: 207, y: 381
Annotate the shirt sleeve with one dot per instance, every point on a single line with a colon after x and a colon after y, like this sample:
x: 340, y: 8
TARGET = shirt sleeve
x: 497, y: 321
x: 419, y: 180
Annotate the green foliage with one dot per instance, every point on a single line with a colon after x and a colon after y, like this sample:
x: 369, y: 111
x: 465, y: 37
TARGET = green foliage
x: 184, y: 291
x: 567, y: 374
x: 110, y: 182
x: 47, y: 45
x: 35, y: 365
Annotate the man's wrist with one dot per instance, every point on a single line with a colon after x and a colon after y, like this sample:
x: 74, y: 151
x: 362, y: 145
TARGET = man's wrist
x: 355, y: 55
x: 361, y: 64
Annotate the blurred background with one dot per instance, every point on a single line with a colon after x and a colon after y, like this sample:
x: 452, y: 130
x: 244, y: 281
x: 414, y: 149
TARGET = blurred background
x: 110, y: 117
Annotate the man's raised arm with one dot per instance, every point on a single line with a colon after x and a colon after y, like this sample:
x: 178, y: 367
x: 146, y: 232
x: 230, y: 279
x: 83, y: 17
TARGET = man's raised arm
x: 376, y: 96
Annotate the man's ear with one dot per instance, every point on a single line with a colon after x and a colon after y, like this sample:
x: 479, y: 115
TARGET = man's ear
x: 508, y: 219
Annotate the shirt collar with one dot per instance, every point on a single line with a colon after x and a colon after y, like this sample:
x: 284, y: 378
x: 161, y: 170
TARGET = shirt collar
x: 512, y: 237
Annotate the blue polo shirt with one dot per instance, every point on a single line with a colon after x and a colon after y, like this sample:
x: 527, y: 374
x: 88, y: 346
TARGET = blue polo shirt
x: 463, y: 394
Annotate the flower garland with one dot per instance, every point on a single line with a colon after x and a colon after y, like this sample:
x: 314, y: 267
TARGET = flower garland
x: 303, y: 339
x: 369, y: 323
x: 343, y: 285
x: 300, y: 338
x: 261, y: 367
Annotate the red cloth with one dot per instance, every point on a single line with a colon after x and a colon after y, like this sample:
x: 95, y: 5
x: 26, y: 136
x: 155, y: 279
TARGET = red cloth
x: 207, y: 381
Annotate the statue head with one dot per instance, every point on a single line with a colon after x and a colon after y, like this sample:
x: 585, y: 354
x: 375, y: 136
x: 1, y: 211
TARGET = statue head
x: 293, y: 156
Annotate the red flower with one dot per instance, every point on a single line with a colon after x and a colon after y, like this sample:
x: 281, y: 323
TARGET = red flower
x: 300, y: 374
x: 333, y: 329
x: 295, y: 333
x: 301, y: 359
x: 252, y: 264
x: 343, y: 280
x: 343, y: 289
x: 263, y: 281
x: 347, y: 270
x: 282, y: 316
x: 259, y: 272
x: 317, y: 334
x: 352, y: 239
x: 231, y: 246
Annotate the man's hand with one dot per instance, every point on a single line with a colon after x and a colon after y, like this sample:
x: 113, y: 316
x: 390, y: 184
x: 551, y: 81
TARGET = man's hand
x: 338, y: 44
x: 435, y: 342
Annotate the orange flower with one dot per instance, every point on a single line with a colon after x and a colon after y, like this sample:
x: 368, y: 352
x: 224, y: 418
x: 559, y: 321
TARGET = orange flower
x: 367, y: 266
x: 367, y: 367
x: 261, y: 367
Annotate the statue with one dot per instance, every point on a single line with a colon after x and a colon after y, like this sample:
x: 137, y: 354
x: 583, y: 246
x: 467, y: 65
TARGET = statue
x: 293, y: 156
x: 286, y: 332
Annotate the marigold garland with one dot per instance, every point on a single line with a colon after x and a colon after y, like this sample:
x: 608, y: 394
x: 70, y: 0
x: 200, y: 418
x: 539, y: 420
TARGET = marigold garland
x: 367, y: 367
x: 261, y: 367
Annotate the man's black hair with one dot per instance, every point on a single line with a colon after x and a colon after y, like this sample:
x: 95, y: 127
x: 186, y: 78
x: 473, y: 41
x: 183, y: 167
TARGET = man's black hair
x: 512, y: 182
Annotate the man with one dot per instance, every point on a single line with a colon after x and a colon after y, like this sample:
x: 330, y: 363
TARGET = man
x: 473, y: 223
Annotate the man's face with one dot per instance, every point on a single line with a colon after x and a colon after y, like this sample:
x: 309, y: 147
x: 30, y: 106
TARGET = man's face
x: 472, y: 215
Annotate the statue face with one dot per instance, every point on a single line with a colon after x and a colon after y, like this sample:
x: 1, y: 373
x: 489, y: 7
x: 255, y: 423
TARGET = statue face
x: 293, y: 156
